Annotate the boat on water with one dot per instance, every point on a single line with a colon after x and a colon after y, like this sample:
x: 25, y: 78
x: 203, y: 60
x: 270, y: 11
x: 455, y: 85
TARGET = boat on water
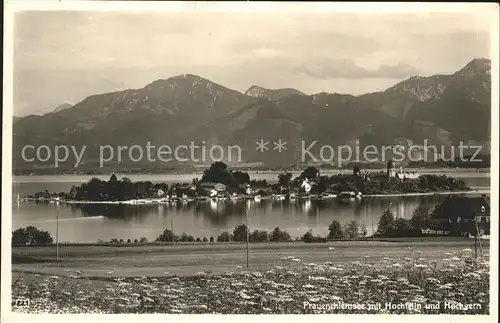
x: 54, y: 200
x: 323, y: 196
x: 257, y: 198
x: 348, y: 196
x: 278, y: 197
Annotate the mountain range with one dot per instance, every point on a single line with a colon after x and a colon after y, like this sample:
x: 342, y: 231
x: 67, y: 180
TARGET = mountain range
x: 63, y: 106
x: 441, y: 108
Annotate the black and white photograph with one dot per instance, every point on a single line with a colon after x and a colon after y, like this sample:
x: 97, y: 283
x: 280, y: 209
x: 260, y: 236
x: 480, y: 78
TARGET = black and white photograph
x: 250, y: 158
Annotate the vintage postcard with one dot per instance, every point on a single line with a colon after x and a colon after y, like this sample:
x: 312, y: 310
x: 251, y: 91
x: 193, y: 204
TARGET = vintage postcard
x: 250, y: 158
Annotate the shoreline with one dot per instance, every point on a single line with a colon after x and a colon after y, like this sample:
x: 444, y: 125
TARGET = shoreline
x: 423, y: 170
x: 480, y: 191
x: 310, y: 197
x: 26, y: 178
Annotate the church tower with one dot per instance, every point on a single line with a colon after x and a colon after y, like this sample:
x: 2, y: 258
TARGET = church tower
x: 391, y: 169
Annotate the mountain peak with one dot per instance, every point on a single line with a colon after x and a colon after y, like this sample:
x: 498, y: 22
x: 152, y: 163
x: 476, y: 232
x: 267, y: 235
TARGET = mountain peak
x: 256, y: 91
x: 478, y: 65
x: 181, y: 77
x: 188, y: 82
x: 420, y: 87
x: 186, y: 76
x: 271, y: 94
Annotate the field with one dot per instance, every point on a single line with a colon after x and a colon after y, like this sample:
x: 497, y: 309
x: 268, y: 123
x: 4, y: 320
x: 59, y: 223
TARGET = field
x: 187, y: 259
x: 341, y: 277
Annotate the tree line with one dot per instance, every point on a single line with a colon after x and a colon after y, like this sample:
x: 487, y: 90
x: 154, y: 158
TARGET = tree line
x: 388, y: 226
x: 239, y: 234
x: 238, y: 181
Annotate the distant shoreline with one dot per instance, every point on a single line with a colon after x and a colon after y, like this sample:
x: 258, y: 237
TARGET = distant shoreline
x: 63, y: 178
x: 139, y: 202
x: 481, y: 191
x: 199, y: 170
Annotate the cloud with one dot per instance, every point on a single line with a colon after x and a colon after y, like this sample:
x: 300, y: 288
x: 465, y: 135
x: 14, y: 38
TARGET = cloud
x: 303, y: 44
x: 331, y: 69
x: 394, y: 71
x: 67, y: 55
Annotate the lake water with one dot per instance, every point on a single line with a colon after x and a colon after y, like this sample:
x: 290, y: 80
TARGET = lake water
x: 89, y: 223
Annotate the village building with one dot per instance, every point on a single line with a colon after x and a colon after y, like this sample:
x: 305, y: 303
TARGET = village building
x: 391, y: 169
x: 401, y: 174
x: 464, y: 215
x: 213, y: 189
x: 246, y: 188
x: 307, y: 185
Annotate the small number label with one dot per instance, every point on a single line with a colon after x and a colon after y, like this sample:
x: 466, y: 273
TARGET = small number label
x: 22, y: 303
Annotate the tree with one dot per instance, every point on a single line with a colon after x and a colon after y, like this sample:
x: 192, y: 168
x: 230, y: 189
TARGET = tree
x: 352, y: 229
x: 321, y: 186
x: 129, y: 241
x: 310, y: 172
x: 259, y: 236
x: 211, y: 239
x: 401, y: 228
x: 224, y: 237
x: 241, y: 177
x: 279, y: 236
x: 143, y: 240
x: 31, y: 235
x: 167, y: 236
x: 126, y: 180
x: 240, y: 233
x: 362, y: 230
x: 73, y: 193
x: 113, y: 179
x: 218, y: 173
x: 205, y: 239
x: 384, y: 224
x: 335, y: 230
x: 308, y: 237
x: 419, y: 219
x: 285, y: 179
x: 258, y: 183
x: 19, y: 237
x: 184, y: 237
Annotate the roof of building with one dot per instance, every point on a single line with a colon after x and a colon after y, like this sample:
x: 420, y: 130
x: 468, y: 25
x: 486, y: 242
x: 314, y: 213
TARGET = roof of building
x: 207, y: 184
x: 216, y: 186
x: 460, y: 206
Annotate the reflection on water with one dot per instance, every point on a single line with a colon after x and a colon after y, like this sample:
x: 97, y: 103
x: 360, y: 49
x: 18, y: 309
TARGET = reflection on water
x: 90, y: 222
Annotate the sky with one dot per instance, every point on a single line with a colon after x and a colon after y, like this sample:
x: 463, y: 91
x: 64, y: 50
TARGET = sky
x: 64, y: 56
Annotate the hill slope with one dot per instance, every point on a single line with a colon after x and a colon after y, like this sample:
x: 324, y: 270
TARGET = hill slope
x: 185, y: 108
x: 271, y: 94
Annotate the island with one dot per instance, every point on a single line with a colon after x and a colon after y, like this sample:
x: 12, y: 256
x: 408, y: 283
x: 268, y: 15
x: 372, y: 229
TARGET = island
x: 219, y: 182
